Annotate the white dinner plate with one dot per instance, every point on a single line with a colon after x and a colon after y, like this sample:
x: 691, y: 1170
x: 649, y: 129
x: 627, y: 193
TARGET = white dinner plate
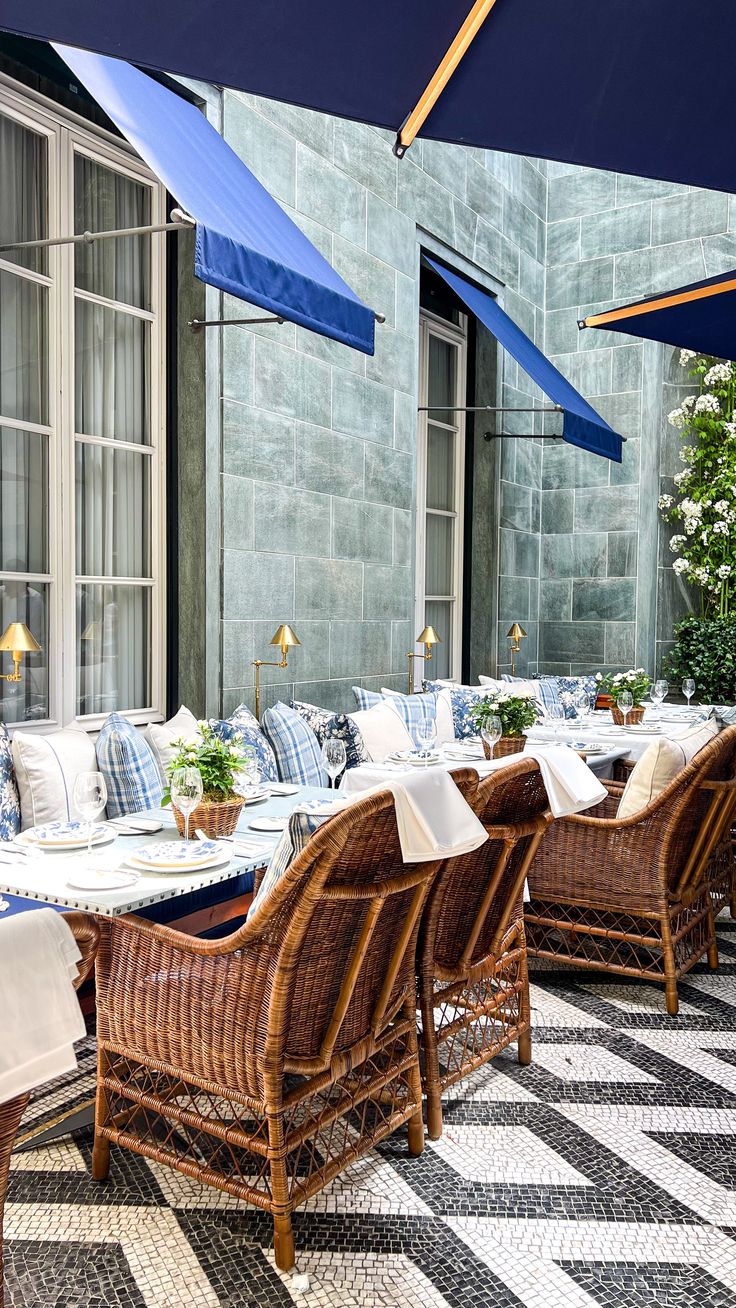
x: 257, y: 797
x: 99, y: 879
x: 219, y: 860
x: 282, y: 788
x: 65, y: 835
x: 268, y: 824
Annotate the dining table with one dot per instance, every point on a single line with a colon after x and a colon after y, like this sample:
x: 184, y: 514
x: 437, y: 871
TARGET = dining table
x: 600, y: 733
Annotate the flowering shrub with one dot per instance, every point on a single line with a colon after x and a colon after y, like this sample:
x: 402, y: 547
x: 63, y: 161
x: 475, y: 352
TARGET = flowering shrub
x: 515, y: 712
x: 615, y: 683
x: 218, y: 761
x: 705, y: 499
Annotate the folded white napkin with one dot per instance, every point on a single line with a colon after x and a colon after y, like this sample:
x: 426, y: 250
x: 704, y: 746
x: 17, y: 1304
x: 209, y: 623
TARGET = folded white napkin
x: 40, y: 1017
x: 569, y: 782
x: 433, y: 819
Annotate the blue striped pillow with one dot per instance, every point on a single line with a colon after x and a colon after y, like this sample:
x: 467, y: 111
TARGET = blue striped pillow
x: 130, y: 770
x: 298, y: 755
x: 299, y: 829
x: 366, y: 699
x: 415, y: 711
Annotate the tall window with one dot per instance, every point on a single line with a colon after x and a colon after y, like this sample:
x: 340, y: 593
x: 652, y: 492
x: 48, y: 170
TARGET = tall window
x: 81, y: 422
x: 441, y: 462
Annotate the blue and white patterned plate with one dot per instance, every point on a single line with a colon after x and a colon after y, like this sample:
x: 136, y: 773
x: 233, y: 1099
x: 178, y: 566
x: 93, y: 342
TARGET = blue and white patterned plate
x: 64, y: 835
x: 179, y: 854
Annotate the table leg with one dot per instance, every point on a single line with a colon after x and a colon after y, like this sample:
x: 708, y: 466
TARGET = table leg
x: 72, y: 1120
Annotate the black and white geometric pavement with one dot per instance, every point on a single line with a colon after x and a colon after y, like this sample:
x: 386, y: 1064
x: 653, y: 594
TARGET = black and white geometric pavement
x: 602, y: 1174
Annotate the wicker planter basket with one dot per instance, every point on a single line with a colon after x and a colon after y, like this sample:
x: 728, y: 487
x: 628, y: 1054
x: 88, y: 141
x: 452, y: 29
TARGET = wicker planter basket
x: 214, y: 817
x: 506, y: 745
x: 635, y: 715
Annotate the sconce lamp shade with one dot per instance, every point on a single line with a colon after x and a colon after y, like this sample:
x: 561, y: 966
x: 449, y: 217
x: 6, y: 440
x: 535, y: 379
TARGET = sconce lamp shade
x: 428, y: 637
x: 17, y: 638
x: 285, y: 637
x: 515, y: 631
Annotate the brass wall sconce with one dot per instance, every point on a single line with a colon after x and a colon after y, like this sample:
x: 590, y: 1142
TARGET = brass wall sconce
x: 18, y: 640
x: 515, y: 634
x: 285, y: 638
x: 428, y: 638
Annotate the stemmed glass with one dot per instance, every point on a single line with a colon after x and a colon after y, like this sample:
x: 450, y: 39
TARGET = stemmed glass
x: 186, y: 793
x: 583, y: 707
x: 426, y: 737
x: 556, y: 715
x: 659, y: 692
x: 334, y: 758
x: 90, y: 798
x: 491, y: 733
x: 625, y: 703
x: 688, y: 689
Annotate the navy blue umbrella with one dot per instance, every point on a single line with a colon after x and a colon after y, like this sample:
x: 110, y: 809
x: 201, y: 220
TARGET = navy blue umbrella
x: 700, y: 317
x: 635, y: 86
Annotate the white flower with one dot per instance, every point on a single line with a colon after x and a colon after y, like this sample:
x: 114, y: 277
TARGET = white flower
x: 688, y: 403
x: 676, y: 419
x: 718, y: 375
x: 720, y: 528
x: 618, y: 676
x: 677, y: 543
x: 691, y: 526
x: 730, y: 429
x: 680, y: 565
x: 707, y: 404
x: 665, y: 502
x: 686, y: 357
x: 721, y: 506
x: 691, y: 508
x: 725, y: 570
x: 599, y: 676
x: 687, y: 454
x: 680, y: 478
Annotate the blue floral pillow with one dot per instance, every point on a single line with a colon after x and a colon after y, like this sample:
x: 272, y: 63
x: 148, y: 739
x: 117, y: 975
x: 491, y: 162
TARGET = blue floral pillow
x: 568, y: 687
x: 9, y: 797
x: 337, y: 726
x: 243, y: 721
x: 462, y: 701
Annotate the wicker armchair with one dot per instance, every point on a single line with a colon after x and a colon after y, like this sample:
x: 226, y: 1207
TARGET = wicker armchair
x: 471, y: 961
x: 632, y: 895
x: 265, y: 1062
x: 87, y: 935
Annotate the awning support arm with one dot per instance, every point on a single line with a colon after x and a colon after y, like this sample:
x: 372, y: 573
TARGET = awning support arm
x: 197, y: 323
x: 488, y: 408
x: 179, y: 220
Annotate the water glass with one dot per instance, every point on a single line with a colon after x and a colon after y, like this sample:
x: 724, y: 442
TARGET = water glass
x: 425, y: 736
x: 556, y: 717
x: 491, y: 733
x: 583, y: 708
x: 186, y: 793
x: 625, y: 704
x: 334, y: 757
x: 90, y: 798
x: 688, y: 689
x: 658, y: 693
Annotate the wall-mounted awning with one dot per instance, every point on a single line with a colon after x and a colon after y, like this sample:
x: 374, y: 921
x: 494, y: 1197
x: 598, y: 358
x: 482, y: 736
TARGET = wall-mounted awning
x: 581, y: 425
x: 245, y: 243
x: 700, y: 317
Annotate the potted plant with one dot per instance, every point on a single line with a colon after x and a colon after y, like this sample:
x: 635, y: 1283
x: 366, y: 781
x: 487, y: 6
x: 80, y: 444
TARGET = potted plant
x: 515, y: 712
x: 614, y: 684
x: 219, y: 763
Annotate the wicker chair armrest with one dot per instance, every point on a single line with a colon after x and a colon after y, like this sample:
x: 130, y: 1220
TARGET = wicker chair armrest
x: 87, y: 935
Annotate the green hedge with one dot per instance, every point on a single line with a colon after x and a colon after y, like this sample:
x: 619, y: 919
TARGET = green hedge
x: 705, y: 649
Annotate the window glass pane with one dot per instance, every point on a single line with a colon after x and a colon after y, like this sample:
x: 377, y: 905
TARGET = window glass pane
x: 24, y: 365
x: 112, y: 374
x: 113, y: 512
x: 438, y: 571
x: 441, y: 384
x: 438, y: 614
x: 23, y: 193
x: 26, y: 700
x: 113, y: 648
x: 440, y: 468
x: 24, y: 517
x: 105, y: 200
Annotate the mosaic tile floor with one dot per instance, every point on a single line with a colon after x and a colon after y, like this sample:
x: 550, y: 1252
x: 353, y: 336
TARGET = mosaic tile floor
x: 602, y: 1174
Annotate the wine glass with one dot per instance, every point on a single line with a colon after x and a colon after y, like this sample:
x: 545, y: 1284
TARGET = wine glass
x: 688, y: 689
x: 186, y: 793
x: 334, y: 757
x: 90, y: 798
x: 583, y: 707
x: 426, y: 737
x: 625, y: 703
x: 659, y: 692
x: 491, y: 733
x: 556, y: 716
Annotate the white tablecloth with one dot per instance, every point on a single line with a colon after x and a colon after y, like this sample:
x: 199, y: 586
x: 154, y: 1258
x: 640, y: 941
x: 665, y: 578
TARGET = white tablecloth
x: 603, y: 731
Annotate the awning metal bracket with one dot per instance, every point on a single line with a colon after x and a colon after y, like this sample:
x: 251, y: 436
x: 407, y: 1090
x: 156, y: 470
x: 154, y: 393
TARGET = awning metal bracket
x: 495, y: 408
x: 179, y: 220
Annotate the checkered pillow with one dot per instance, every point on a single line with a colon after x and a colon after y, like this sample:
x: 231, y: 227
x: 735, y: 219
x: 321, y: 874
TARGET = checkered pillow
x: 127, y: 763
x: 295, y: 746
x: 546, y: 692
x: 366, y: 699
x: 247, y: 726
x: 335, y: 726
x: 415, y: 711
x: 299, y: 829
x: 9, y: 797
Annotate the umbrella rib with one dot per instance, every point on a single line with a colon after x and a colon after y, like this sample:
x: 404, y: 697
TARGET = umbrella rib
x: 437, y: 83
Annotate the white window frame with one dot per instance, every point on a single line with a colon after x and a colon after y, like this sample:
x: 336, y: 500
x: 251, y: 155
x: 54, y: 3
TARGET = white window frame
x: 68, y: 134
x: 432, y: 325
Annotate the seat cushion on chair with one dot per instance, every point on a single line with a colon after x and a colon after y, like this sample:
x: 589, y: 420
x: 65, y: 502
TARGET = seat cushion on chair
x: 294, y: 837
x: 163, y: 734
x: 244, y: 723
x: 45, y: 769
x: 415, y: 711
x: 334, y: 726
x: 9, y: 797
x: 382, y: 730
x: 129, y: 766
x: 295, y: 746
x: 660, y: 764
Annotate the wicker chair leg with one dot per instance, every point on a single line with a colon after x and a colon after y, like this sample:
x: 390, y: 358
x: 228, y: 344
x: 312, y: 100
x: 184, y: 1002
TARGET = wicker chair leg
x: 525, y: 1047
x: 432, y: 1087
x: 415, y: 1124
x: 524, y: 1043
x: 671, y: 997
x: 283, y: 1243
x: 101, y: 1147
x: 10, y: 1115
x: 712, y: 941
x: 100, y: 1159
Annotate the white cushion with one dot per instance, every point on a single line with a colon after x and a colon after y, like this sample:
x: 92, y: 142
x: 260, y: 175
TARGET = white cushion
x: 519, y: 686
x: 45, y: 769
x: 492, y: 683
x: 660, y: 764
x: 444, y: 720
x: 163, y: 734
x: 382, y: 730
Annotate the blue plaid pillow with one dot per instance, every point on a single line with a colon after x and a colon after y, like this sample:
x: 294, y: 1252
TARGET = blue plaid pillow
x: 9, y: 797
x: 243, y: 722
x: 295, y: 836
x: 415, y: 711
x: 295, y: 746
x: 548, y: 691
x: 130, y: 770
x: 366, y: 699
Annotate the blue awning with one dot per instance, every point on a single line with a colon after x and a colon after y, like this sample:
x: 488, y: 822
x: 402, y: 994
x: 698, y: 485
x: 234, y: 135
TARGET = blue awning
x: 585, y: 81
x: 581, y: 425
x: 245, y: 243
x: 700, y: 317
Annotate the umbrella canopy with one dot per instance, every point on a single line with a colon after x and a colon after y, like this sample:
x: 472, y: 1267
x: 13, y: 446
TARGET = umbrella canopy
x: 590, y: 83
x: 700, y: 317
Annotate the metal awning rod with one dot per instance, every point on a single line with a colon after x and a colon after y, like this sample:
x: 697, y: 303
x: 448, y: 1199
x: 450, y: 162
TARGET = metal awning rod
x: 197, y: 323
x: 179, y: 219
x: 486, y: 408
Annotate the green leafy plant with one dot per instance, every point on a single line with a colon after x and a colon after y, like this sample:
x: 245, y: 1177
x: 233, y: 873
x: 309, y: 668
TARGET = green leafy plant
x: 515, y: 712
x: 614, y: 684
x: 219, y: 761
x: 706, y: 651
x: 704, y: 503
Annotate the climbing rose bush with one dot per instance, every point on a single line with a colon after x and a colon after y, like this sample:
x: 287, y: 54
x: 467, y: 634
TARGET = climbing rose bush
x: 704, y: 505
